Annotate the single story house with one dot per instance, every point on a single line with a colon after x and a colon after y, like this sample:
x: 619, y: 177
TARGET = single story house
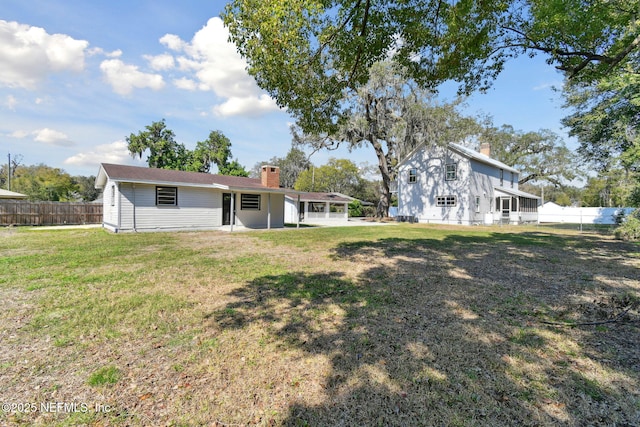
x: 147, y: 199
x: 310, y: 206
x: 454, y: 184
x: 6, y: 194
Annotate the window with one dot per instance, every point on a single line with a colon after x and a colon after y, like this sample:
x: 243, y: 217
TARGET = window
x: 450, y: 172
x: 501, y: 177
x: 445, y: 201
x: 413, y: 176
x: 316, y: 207
x: 113, y: 195
x: 166, y: 196
x: 250, y: 202
x: 477, y: 204
x: 512, y: 179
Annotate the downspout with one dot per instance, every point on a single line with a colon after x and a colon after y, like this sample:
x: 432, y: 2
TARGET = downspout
x: 268, y: 211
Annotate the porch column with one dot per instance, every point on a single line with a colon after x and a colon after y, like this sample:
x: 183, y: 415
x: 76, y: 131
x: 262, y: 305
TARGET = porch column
x: 232, y: 214
x: 327, y: 210
x: 297, y: 211
x: 268, y: 211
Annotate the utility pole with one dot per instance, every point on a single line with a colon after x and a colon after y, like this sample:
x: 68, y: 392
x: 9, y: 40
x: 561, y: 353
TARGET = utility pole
x: 9, y: 173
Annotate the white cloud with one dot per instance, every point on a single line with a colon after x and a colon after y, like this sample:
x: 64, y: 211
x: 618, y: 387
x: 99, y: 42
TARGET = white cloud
x: 248, y: 106
x: 115, y: 152
x: 124, y: 78
x: 548, y: 85
x: 28, y: 54
x: 11, y: 102
x: 173, y: 42
x: 19, y: 134
x: 185, y: 83
x: 99, y: 51
x: 160, y: 62
x: 216, y: 66
x: 52, y: 137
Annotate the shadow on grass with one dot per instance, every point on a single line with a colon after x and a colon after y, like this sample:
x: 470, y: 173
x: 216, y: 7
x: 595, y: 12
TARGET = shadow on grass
x: 443, y: 332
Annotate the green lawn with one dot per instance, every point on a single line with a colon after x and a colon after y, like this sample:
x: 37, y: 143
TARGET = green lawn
x: 405, y: 324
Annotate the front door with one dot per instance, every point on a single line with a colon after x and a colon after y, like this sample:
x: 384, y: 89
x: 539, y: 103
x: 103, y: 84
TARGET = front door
x: 506, y: 208
x: 301, y: 211
x: 226, y: 208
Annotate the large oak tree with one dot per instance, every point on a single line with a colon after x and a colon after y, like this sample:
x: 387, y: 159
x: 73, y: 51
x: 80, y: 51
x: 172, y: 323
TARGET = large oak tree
x: 308, y: 53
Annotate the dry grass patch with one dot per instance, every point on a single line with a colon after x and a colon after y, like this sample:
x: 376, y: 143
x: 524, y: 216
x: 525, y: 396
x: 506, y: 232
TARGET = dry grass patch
x: 403, y: 325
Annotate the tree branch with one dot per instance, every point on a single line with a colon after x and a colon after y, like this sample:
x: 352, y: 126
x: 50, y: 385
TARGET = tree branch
x: 601, y: 322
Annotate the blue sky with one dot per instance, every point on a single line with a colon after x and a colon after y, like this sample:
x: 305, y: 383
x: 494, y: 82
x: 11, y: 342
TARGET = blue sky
x: 77, y: 77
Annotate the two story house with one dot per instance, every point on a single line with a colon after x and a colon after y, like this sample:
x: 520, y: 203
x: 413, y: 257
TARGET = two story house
x: 454, y: 184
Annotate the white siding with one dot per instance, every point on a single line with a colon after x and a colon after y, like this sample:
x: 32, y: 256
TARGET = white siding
x: 419, y: 199
x: 258, y: 218
x: 197, y: 208
x: 110, y: 206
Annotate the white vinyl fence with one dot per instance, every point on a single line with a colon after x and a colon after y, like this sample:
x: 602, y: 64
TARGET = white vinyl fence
x: 560, y: 214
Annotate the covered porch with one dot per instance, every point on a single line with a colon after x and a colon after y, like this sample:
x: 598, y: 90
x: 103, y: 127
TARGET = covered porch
x: 515, y: 207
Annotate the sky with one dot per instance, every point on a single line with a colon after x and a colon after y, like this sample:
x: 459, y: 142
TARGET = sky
x: 78, y: 77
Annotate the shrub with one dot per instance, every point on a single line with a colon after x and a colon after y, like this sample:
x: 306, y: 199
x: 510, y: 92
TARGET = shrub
x: 355, y: 209
x: 630, y: 228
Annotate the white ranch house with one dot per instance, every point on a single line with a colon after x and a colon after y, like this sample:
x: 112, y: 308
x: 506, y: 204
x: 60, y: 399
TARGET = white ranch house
x: 148, y: 199
x: 457, y: 185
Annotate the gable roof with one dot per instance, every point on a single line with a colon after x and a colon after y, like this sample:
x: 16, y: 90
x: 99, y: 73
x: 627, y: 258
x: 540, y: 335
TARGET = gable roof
x: 144, y: 175
x: 6, y: 194
x: 472, y: 154
x: 465, y: 152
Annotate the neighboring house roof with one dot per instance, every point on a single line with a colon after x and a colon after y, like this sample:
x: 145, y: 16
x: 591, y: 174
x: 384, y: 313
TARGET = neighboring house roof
x: 321, y: 197
x: 6, y: 194
x: 144, y: 175
x: 469, y: 153
x: 324, y: 197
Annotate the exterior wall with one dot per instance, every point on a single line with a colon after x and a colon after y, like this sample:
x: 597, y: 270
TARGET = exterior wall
x: 110, y: 216
x: 198, y: 208
x: 290, y: 210
x: 419, y: 199
x: 259, y: 218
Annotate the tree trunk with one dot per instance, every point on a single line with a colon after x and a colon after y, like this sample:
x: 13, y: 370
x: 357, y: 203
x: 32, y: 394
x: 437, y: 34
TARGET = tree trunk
x: 385, y: 197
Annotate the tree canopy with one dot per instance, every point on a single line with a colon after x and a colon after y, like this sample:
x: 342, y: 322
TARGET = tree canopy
x: 539, y: 156
x: 308, y: 53
x: 166, y: 153
x: 42, y: 182
x: 338, y: 175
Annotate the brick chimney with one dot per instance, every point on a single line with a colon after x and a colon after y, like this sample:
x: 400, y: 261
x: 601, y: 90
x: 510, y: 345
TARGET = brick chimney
x: 485, y: 148
x: 270, y: 176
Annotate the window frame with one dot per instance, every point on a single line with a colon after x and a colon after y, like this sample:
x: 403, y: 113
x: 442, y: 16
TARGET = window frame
x: 451, y: 172
x: 413, y: 176
x: 163, y: 196
x: 250, y: 202
x: 446, y: 201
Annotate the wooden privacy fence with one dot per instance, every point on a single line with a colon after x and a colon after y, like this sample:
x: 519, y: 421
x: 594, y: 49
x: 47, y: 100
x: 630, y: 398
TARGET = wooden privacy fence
x: 20, y: 212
